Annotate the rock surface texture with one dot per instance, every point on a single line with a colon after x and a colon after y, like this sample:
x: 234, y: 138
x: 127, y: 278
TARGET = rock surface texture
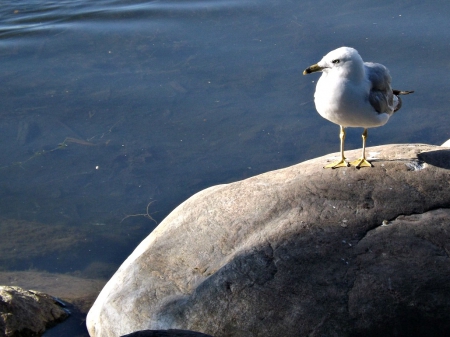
x: 27, y: 312
x: 300, y: 251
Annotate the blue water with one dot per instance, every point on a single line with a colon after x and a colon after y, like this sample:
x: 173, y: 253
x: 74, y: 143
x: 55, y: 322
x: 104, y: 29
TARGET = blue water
x: 107, y: 106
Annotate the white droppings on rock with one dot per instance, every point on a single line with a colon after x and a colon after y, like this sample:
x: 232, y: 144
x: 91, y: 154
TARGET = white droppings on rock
x: 373, y: 155
x: 416, y: 165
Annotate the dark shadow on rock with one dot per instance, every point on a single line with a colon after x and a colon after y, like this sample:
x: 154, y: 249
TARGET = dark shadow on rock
x: 438, y: 158
x: 393, y: 282
x: 166, y: 333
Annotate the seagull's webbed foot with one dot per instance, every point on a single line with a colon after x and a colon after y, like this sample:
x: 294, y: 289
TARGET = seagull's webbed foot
x: 361, y: 162
x: 340, y: 163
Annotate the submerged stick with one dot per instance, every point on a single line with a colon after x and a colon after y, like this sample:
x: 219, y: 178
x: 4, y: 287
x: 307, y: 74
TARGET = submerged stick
x: 145, y: 215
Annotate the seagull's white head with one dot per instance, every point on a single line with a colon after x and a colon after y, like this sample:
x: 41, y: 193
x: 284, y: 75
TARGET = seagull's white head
x: 344, y: 61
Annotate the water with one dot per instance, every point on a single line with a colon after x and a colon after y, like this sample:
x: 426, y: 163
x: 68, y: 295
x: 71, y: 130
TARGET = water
x: 112, y: 106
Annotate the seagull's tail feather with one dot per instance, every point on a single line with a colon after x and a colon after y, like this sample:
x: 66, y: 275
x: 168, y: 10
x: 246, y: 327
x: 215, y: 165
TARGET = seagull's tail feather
x: 397, y: 98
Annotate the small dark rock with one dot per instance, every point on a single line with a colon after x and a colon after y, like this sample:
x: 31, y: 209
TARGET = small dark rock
x: 26, y: 313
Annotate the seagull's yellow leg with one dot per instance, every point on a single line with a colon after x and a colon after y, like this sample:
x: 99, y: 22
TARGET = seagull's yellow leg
x: 342, y: 162
x: 362, y: 162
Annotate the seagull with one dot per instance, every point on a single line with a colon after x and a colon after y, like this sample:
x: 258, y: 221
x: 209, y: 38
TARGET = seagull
x: 353, y: 93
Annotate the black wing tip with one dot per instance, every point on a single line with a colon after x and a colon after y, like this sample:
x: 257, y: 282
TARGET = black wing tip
x: 401, y: 92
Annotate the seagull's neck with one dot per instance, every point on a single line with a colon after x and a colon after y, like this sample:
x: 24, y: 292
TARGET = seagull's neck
x: 353, y: 72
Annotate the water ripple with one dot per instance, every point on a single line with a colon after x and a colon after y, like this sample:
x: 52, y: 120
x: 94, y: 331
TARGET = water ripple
x: 30, y: 16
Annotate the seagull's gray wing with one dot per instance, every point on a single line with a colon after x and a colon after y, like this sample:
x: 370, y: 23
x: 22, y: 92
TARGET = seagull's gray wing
x: 380, y: 95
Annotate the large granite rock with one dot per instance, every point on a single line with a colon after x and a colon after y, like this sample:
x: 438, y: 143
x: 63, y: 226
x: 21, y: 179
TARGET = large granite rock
x: 26, y: 313
x: 300, y: 251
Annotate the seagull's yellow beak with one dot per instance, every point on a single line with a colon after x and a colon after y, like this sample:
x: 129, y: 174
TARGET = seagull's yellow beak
x: 312, y: 69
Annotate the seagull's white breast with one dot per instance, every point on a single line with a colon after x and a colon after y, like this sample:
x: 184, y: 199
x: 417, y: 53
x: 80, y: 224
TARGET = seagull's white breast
x: 345, y: 101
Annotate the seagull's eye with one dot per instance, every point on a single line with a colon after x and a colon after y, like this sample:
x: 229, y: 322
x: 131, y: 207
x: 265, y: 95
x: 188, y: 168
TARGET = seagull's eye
x: 335, y: 61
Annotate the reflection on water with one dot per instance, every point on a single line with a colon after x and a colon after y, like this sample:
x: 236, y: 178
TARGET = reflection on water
x: 108, y: 106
